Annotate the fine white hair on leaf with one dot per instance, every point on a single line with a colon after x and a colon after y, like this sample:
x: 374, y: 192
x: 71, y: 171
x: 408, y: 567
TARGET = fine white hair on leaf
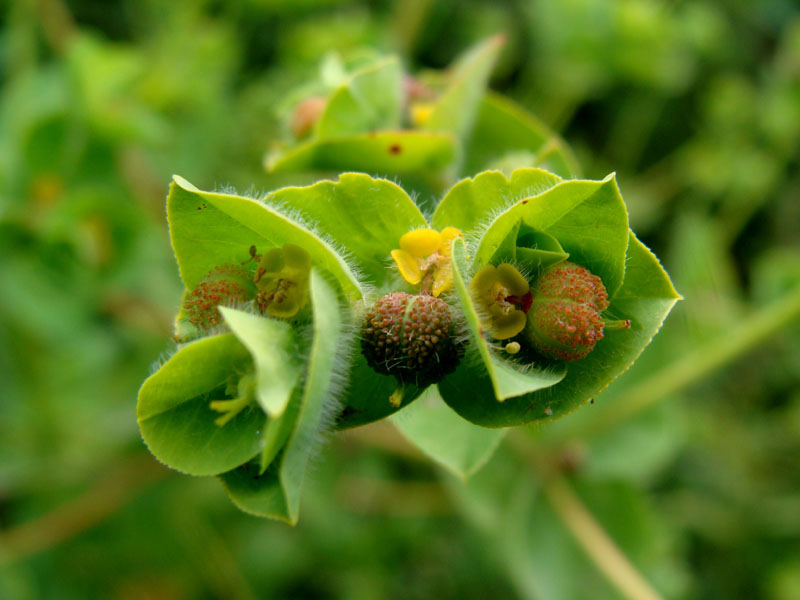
x: 252, y: 192
x: 311, y: 225
x: 311, y: 442
x: 162, y: 358
x: 475, y: 235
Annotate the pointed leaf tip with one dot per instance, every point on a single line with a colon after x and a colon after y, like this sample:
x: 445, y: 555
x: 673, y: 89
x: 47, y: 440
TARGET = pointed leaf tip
x: 184, y: 184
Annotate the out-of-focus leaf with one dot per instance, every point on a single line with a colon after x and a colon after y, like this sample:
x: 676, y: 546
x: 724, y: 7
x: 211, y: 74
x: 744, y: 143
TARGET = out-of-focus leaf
x: 468, y: 77
x: 504, y: 129
x: 380, y: 152
x: 454, y: 443
x: 371, y: 100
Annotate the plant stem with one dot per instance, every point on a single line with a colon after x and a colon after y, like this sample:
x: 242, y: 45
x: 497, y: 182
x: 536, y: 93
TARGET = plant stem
x: 93, y: 506
x: 696, y: 364
x: 597, y: 544
x: 58, y: 25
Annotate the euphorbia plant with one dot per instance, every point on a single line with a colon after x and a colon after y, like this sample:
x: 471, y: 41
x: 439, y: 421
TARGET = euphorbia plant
x: 247, y: 398
x: 334, y: 305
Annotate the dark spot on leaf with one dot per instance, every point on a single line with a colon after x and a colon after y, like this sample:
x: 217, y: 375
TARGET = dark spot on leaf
x: 395, y: 149
x: 524, y: 201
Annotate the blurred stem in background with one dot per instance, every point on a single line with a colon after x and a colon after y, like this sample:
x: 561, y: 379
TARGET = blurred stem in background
x: 695, y: 365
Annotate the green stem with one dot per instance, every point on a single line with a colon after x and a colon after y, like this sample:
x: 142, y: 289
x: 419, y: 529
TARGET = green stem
x: 597, y: 544
x: 697, y: 364
x: 117, y: 487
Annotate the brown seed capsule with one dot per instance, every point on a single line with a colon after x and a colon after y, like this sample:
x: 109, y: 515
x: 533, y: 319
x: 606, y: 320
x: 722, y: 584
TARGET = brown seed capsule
x: 410, y: 337
x: 226, y: 285
x: 564, y: 321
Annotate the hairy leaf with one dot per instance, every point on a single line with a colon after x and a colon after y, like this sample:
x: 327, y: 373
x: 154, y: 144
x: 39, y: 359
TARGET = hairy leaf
x: 365, y: 216
x: 210, y: 229
x: 174, y: 415
x: 276, y: 492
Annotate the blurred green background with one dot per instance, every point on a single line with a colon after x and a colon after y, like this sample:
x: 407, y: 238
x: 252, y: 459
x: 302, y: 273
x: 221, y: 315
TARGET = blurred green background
x: 689, y: 464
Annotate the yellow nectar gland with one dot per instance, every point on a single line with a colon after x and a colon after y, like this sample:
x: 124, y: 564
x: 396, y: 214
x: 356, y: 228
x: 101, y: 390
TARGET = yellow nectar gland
x: 505, y: 297
x: 425, y: 257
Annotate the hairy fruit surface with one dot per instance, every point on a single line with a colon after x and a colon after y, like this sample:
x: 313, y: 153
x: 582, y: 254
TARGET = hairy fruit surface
x: 225, y: 285
x: 410, y: 337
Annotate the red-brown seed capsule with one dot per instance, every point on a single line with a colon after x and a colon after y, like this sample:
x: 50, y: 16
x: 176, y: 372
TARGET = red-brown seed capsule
x: 226, y: 285
x: 564, y: 321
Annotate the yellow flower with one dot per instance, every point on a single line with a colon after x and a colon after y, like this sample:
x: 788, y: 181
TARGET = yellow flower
x: 425, y: 257
x: 282, y: 280
x: 505, y: 297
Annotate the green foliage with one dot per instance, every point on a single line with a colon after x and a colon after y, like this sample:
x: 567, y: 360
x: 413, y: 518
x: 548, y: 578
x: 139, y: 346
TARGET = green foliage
x: 173, y: 409
x: 210, y: 229
x: 361, y: 215
x: 452, y: 119
x: 275, y: 491
x: 456, y: 444
x: 687, y: 462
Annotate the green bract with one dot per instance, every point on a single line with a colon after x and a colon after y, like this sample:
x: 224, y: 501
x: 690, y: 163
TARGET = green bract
x: 282, y: 381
